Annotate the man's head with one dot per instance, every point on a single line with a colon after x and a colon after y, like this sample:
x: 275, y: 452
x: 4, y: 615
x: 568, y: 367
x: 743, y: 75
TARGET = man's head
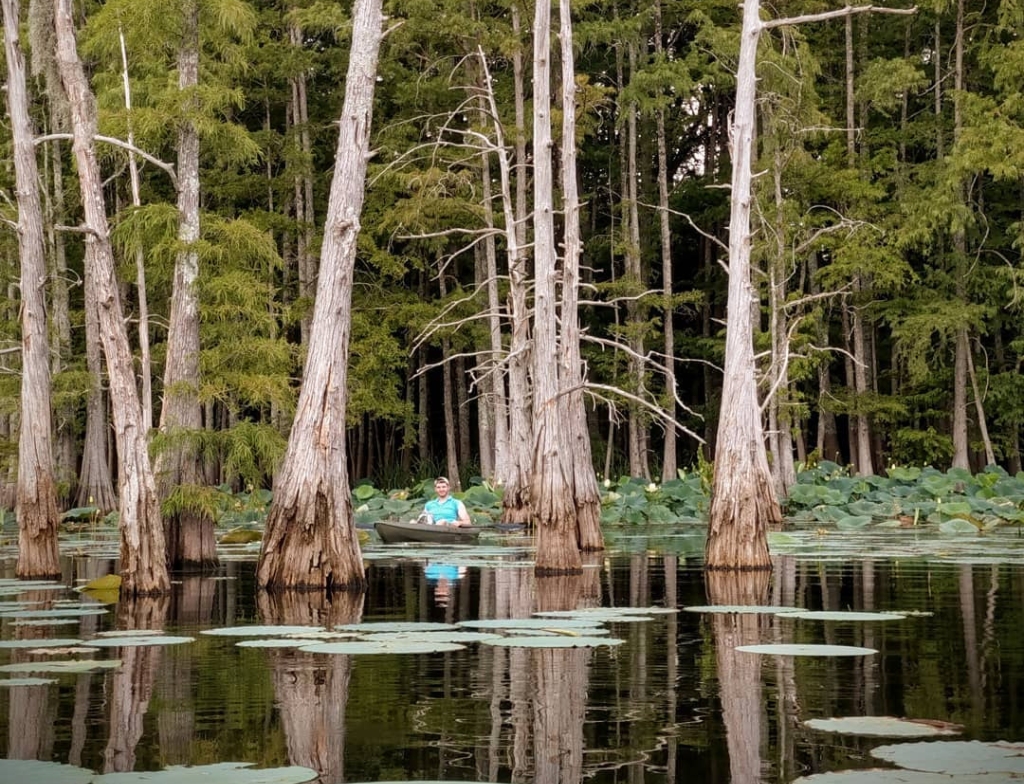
x: 441, y: 486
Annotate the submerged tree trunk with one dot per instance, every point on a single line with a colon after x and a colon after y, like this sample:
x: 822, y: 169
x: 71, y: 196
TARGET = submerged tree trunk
x: 143, y: 555
x: 38, y: 521
x: 191, y: 543
x: 743, y: 502
x: 310, y: 540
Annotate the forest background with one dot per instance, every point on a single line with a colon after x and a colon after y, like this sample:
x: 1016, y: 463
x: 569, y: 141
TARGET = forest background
x: 886, y: 246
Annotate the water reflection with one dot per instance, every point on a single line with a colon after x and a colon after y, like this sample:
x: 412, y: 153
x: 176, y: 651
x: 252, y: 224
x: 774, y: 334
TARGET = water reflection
x: 674, y: 700
x: 739, y: 674
x: 311, y: 691
x: 131, y: 685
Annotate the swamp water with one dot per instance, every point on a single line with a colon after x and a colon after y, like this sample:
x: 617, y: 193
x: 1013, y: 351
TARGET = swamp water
x: 933, y: 630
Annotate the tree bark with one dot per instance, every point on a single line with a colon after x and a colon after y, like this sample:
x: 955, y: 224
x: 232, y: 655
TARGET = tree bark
x: 143, y: 555
x: 743, y: 502
x: 551, y: 496
x: 38, y: 521
x: 585, y: 492
x: 191, y: 543
x: 310, y: 540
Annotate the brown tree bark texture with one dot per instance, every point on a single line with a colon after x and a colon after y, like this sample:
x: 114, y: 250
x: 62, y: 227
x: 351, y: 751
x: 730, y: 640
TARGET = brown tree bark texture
x: 743, y: 502
x: 310, y: 540
x: 191, y: 543
x: 38, y: 520
x: 143, y: 556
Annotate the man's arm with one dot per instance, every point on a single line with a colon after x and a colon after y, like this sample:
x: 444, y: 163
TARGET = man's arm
x: 463, y: 518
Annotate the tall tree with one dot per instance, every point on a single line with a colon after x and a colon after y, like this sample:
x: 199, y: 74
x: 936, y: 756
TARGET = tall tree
x: 143, y: 555
x: 743, y: 502
x: 38, y: 520
x: 310, y: 540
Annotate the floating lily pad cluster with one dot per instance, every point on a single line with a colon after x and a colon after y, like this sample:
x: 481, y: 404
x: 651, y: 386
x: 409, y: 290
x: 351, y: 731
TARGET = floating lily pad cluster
x: 936, y: 762
x: 221, y: 772
x: 576, y: 629
x: 954, y: 501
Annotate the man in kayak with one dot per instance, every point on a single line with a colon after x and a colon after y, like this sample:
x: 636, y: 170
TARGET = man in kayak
x: 445, y: 509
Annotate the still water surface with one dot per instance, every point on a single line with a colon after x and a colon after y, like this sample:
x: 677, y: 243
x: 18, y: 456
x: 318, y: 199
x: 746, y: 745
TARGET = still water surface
x: 673, y: 702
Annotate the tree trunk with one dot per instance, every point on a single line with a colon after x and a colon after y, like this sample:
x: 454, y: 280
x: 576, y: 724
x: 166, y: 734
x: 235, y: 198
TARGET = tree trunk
x: 191, y: 543
x: 143, y: 555
x: 304, y: 215
x: 95, y: 485
x: 551, y: 493
x: 145, y: 363
x: 585, y: 492
x: 310, y: 540
x: 668, y: 458
x: 38, y: 521
x: 65, y: 441
x: 743, y: 503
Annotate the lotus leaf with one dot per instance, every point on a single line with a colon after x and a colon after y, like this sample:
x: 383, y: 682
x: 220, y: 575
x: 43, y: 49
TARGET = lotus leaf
x: 956, y: 757
x: 63, y: 665
x: 844, y: 615
x: 62, y: 612
x: 38, y: 770
x: 958, y: 526
x: 741, y: 608
x: 373, y: 647
x: 529, y: 623
x: 898, y: 776
x: 221, y: 772
x: 39, y: 643
x: 795, y: 649
x: 260, y: 631
x: 850, y: 522
x: 139, y: 641
x: 397, y: 626
x: 12, y: 682
x: 885, y: 726
x: 556, y: 641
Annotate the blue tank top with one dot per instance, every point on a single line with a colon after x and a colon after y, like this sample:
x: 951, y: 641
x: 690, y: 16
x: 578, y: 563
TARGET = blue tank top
x: 446, y: 511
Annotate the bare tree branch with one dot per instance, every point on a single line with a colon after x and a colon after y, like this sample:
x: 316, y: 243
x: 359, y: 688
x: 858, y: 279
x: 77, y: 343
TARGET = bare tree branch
x: 825, y: 15
x: 167, y: 167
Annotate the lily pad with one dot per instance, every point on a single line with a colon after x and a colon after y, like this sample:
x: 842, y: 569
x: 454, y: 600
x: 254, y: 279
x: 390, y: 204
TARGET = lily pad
x: 796, y: 649
x: 273, y: 642
x: 133, y: 641
x: 38, y: 770
x: 900, y: 776
x: 371, y: 646
x: 457, y: 636
x: 221, y: 772
x: 608, y: 612
x: 63, y: 665
x: 44, y: 622
x: 62, y: 612
x: 758, y: 609
x: 39, y: 643
x: 884, y: 726
x: 260, y: 631
x: 12, y: 682
x: 397, y: 626
x: 551, y: 641
x: 547, y: 624
x: 108, y: 582
x: 844, y: 615
x: 956, y: 757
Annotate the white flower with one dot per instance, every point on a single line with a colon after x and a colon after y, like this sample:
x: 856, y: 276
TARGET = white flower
x: 652, y: 488
x: 607, y: 483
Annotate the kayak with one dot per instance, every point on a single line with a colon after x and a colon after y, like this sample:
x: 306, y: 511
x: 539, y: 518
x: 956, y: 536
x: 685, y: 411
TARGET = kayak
x: 395, y: 532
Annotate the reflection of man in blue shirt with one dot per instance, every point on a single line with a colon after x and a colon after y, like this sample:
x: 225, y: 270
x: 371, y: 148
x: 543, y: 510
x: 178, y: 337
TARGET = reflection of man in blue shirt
x: 446, y: 510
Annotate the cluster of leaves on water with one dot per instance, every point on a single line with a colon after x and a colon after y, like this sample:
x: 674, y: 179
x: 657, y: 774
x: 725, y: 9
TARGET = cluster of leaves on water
x: 954, y: 500
x: 825, y: 494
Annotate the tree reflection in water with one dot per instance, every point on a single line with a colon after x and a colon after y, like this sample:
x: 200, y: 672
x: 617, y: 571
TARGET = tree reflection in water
x: 739, y: 674
x: 311, y: 690
x: 131, y: 685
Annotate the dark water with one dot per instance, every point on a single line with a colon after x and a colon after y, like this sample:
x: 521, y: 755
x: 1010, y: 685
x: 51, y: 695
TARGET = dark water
x: 674, y: 702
